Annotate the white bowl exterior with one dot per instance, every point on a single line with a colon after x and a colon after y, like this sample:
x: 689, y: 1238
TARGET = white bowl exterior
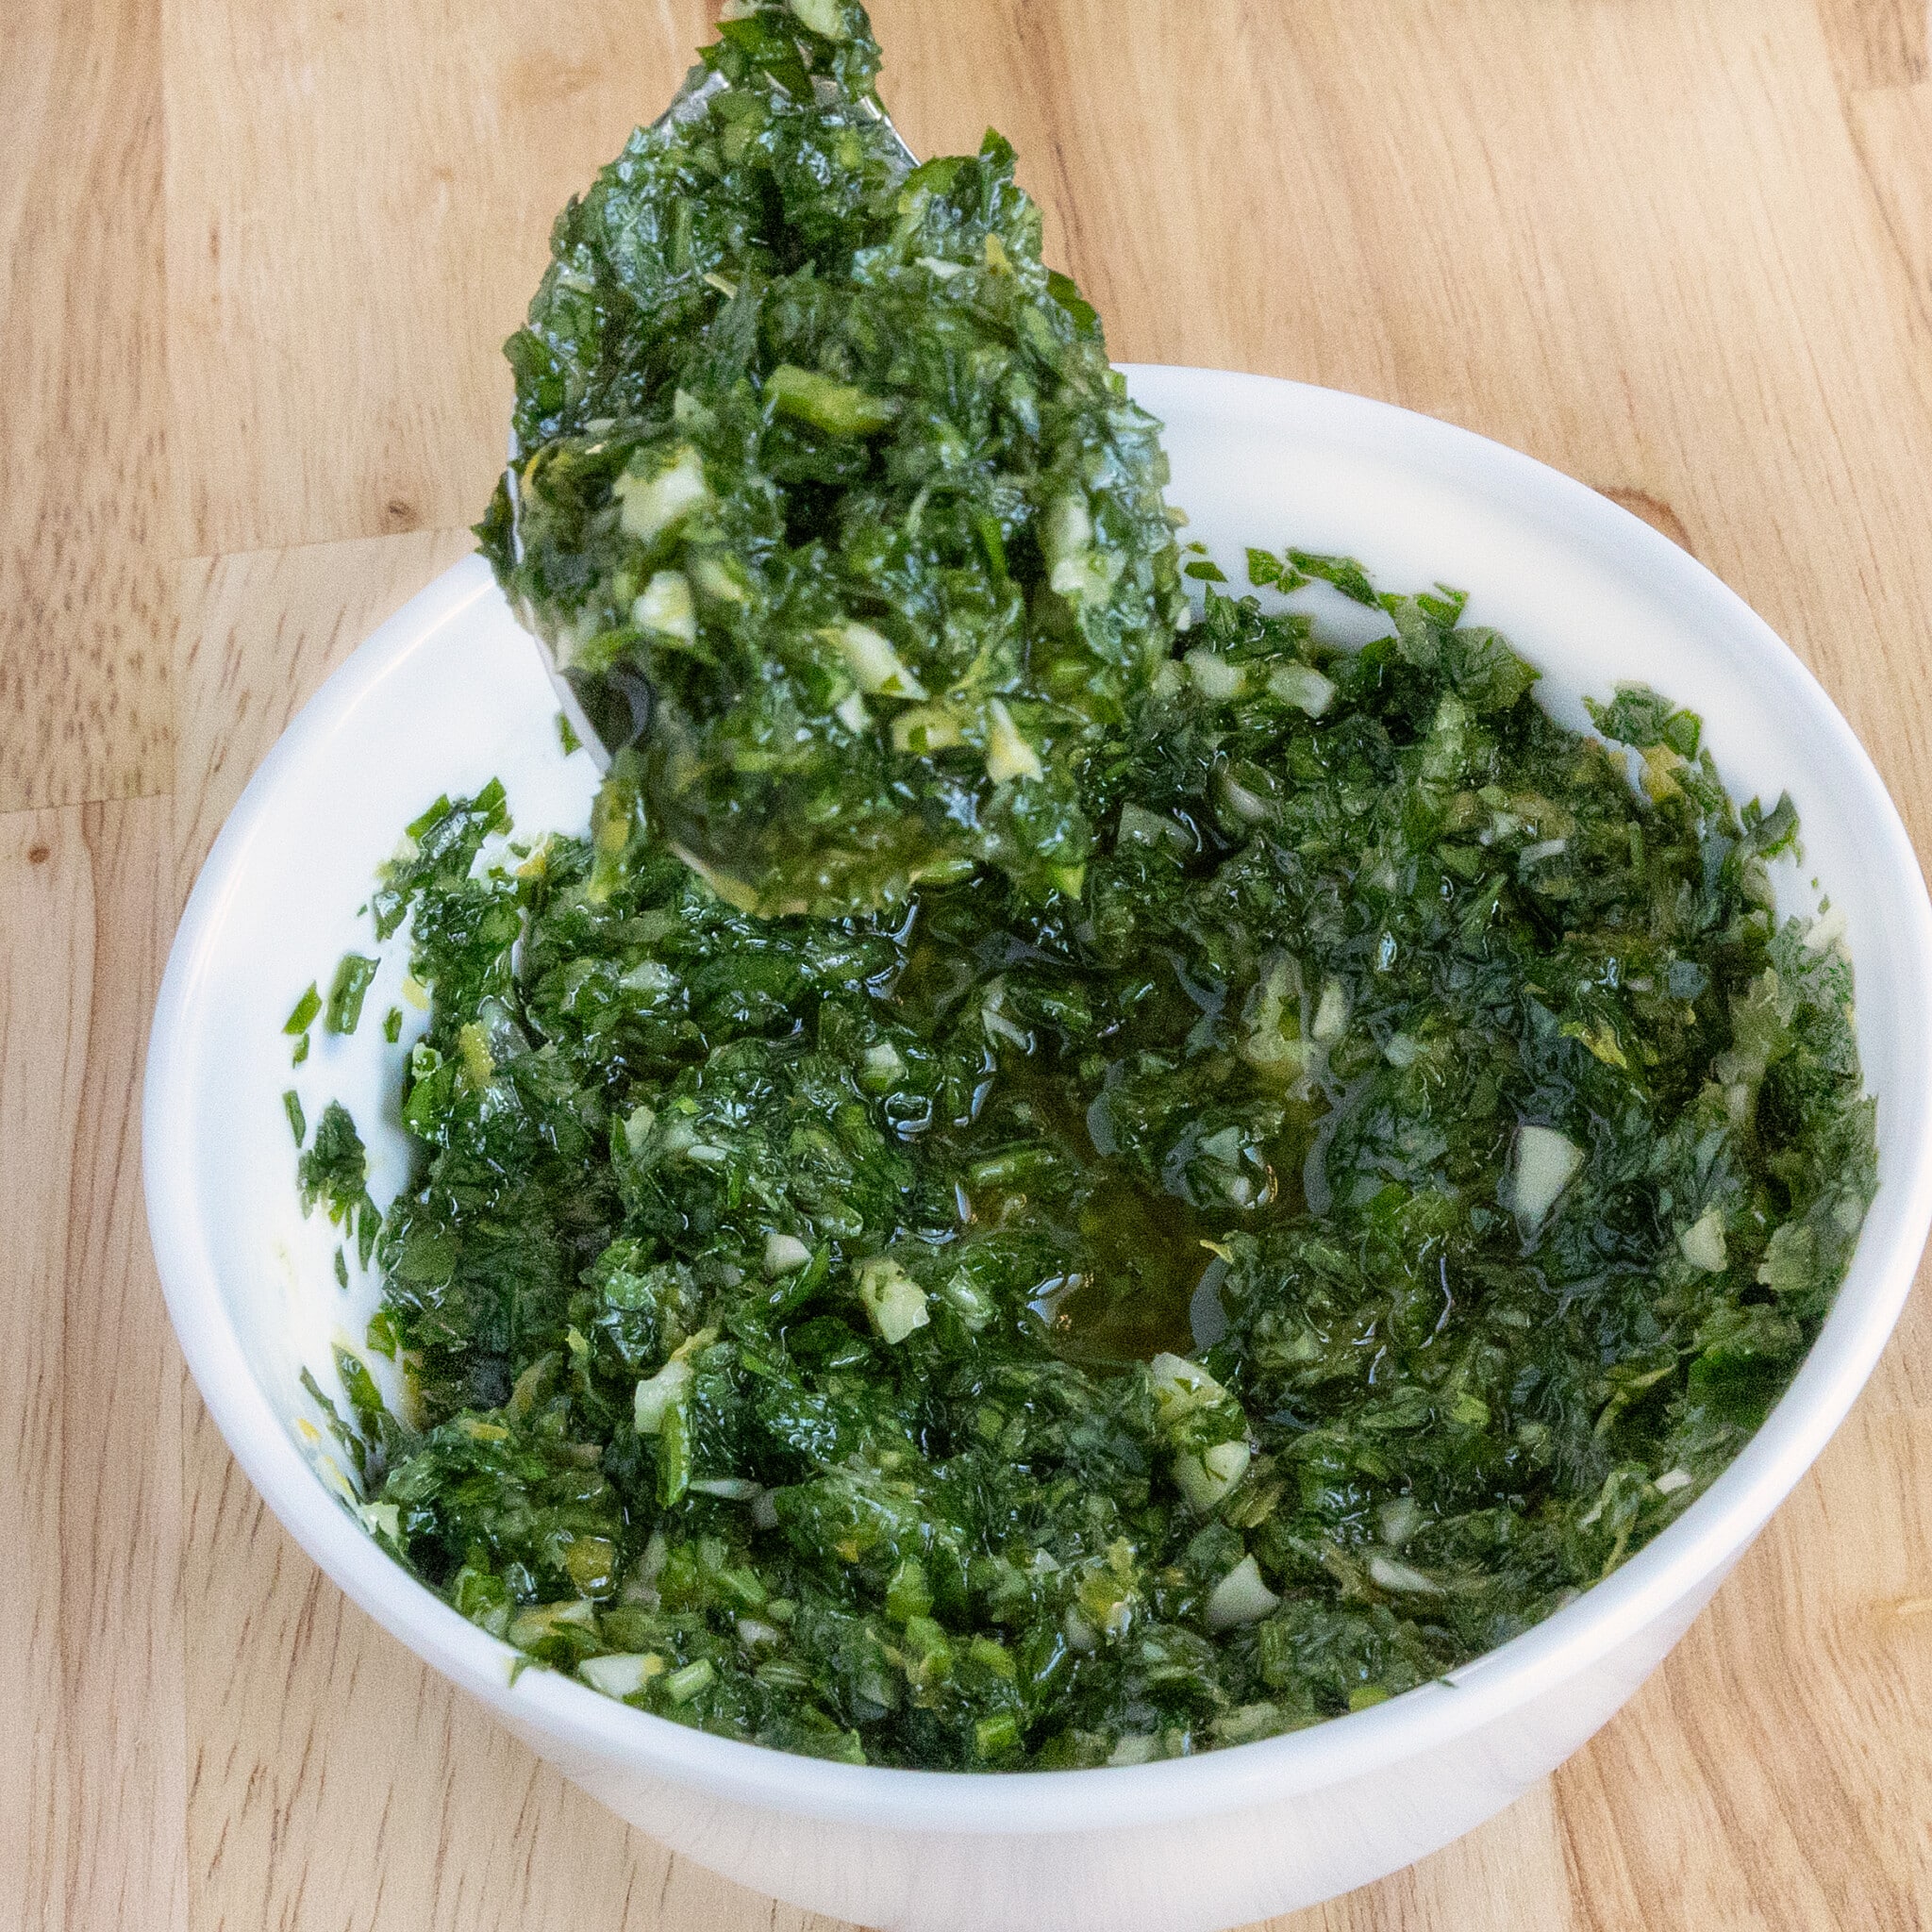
x: 450, y: 693
x: 1194, y: 1873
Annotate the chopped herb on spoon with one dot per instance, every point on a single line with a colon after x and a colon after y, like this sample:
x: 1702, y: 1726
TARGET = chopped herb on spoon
x: 827, y: 498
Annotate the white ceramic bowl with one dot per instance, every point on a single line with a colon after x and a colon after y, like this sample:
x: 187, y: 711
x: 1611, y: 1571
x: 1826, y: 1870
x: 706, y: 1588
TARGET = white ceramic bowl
x: 449, y: 692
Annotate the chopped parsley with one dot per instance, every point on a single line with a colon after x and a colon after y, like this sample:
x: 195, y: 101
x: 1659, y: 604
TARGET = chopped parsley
x: 998, y: 1333
x: 1343, y: 572
x: 347, y: 992
x: 333, y: 1172
x: 305, y: 1011
x: 824, y: 474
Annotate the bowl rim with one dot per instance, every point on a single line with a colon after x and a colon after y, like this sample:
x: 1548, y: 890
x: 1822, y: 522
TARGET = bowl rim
x: 1693, y: 1551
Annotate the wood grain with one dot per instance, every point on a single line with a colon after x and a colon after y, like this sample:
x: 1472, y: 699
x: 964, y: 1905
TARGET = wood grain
x: 1680, y: 248
x: 258, y: 634
x: 1892, y: 128
x: 355, y: 221
x: 86, y: 511
x: 91, y: 1783
x: 1877, y: 43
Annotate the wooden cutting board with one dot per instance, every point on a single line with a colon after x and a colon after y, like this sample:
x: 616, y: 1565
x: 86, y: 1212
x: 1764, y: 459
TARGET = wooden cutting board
x: 256, y: 260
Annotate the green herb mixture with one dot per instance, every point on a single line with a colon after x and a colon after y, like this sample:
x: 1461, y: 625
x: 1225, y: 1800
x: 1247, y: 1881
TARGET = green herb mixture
x: 1297, y: 1167
x: 823, y: 471
x: 996, y: 1333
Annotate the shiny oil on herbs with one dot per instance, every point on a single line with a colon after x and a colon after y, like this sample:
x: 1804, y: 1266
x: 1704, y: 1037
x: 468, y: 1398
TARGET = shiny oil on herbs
x: 1014, y: 1331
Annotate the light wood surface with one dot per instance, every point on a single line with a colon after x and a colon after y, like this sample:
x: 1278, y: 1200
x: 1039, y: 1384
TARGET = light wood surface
x: 256, y: 262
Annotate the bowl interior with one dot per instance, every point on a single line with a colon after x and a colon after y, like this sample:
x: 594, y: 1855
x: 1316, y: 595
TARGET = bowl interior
x: 450, y: 693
